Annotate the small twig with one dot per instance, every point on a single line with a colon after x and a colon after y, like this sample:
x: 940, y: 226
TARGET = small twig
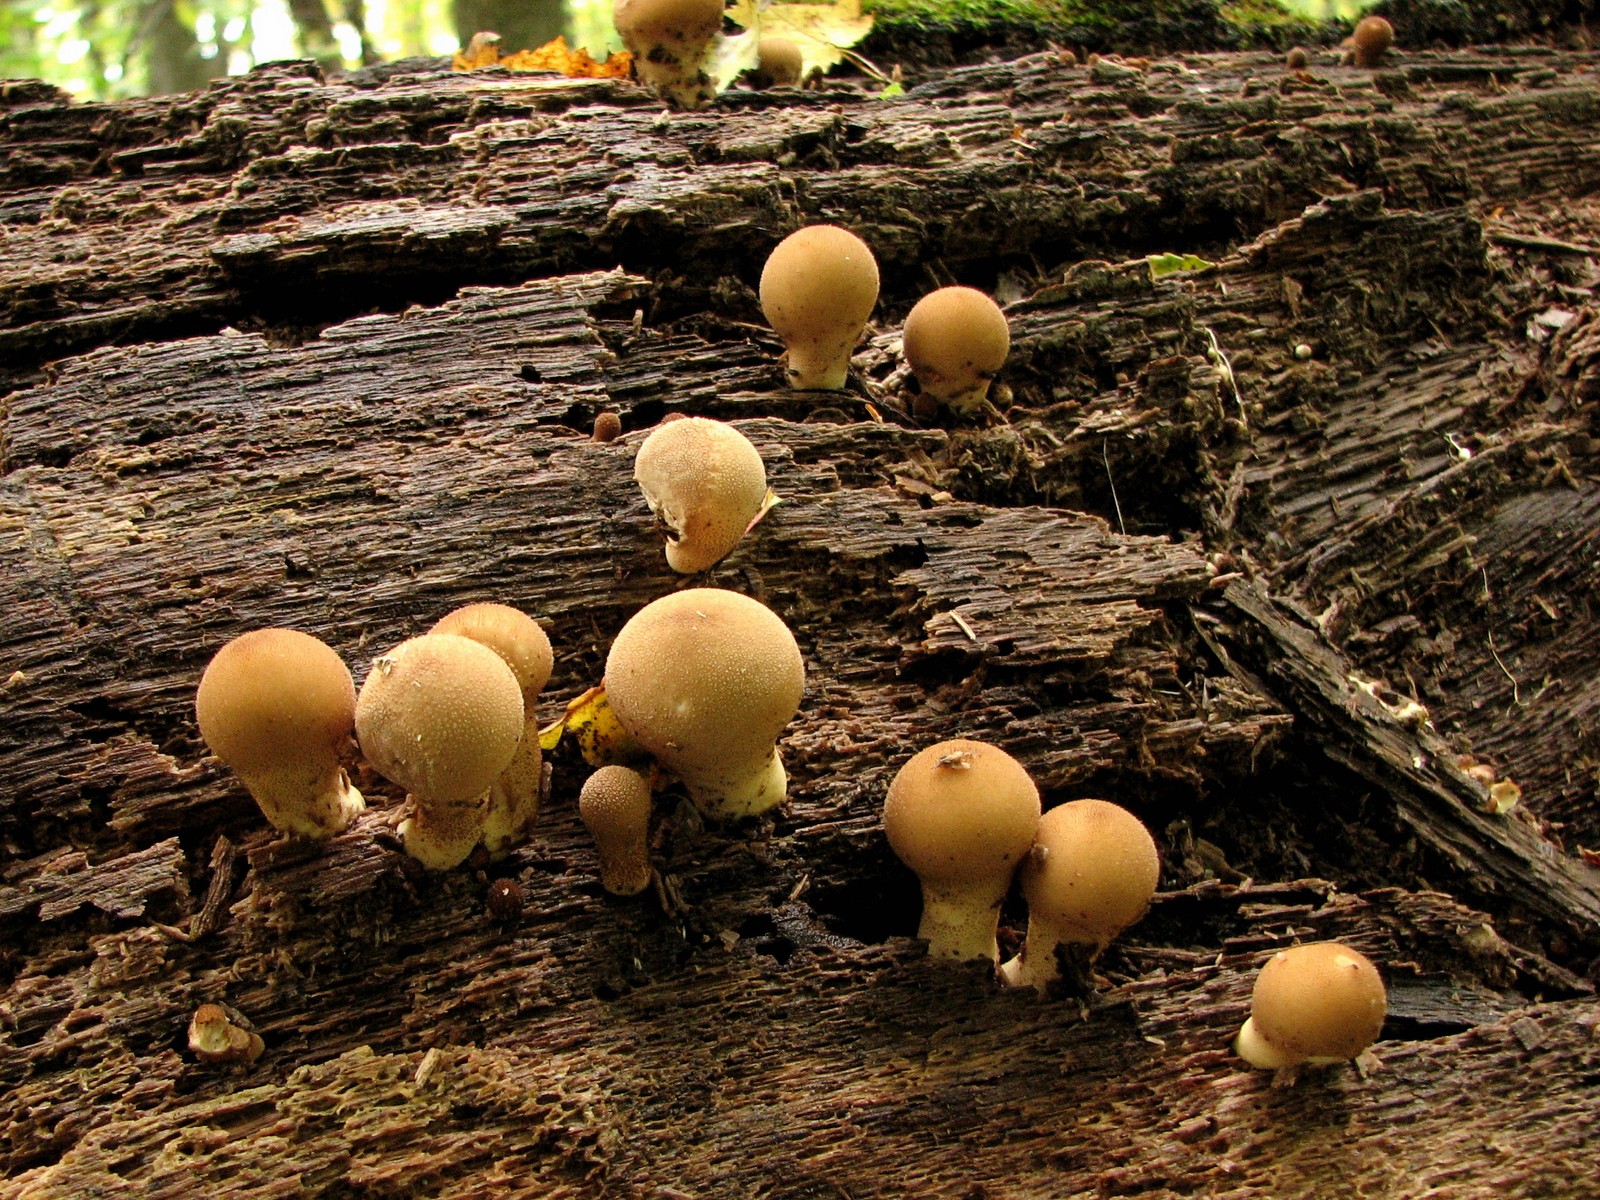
x: 1525, y: 242
x: 963, y: 626
x: 1117, y: 504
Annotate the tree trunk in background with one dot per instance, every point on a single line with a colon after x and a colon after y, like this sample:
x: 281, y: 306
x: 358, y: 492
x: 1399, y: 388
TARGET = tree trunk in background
x: 172, y: 58
x: 314, y: 31
x: 521, y: 24
x: 1292, y: 552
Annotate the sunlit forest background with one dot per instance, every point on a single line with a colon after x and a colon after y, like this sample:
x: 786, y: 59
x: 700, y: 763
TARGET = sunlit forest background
x: 107, y: 48
x: 102, y: 49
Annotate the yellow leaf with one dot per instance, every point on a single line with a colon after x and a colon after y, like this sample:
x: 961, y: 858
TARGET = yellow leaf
x: 600, y: 736
x: 822, y: 31
x: 553, y: 56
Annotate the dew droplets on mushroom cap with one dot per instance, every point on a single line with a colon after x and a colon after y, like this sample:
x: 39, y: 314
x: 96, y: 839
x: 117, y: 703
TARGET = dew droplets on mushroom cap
x: 441, y: 715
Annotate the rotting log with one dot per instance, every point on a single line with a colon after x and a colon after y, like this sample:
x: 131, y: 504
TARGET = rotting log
x: 327, y: 354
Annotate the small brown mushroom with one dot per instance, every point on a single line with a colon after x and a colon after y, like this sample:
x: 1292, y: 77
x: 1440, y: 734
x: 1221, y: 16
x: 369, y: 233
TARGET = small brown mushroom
x: 1319, y: 1003
x: 961, y: 814
x: 1298, y: 59
x: 1371, y: 41
x: 278, y: 706
x: 706, y: 680
x: 817, y: 290
x: 671, y: 41
x: 441, y: 715
x: 607, y: 426
x: 615, y: 807
x: 705, y: 482
x: 517, y: 638
x: 956, y: 340
x: 1091, y: 873
x: 781, y: 63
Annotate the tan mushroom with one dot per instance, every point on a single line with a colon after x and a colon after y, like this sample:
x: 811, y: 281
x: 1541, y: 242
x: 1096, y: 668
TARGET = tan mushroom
x: 441, y: 715
x: 706, y: 680
x: 1318, y: 1003
x: 780, y: 65
x: 1091, y: 873
x: 278, y: 706
x: 956, y: 340
x: 817, y: 290
x: 671, y: 42
x: 706, y: 483
x: 615, y: 807
x: 1371, y: 41
x: 517, y: 638
x: 961, y: 814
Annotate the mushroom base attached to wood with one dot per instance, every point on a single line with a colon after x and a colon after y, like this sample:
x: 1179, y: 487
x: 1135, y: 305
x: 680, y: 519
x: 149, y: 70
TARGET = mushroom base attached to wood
x: 312, y: 802
x: 440, y: 834
x: 724, y: 796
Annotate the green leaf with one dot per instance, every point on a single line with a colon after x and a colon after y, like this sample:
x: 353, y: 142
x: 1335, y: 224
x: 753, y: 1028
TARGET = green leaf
x: 1171, y: 264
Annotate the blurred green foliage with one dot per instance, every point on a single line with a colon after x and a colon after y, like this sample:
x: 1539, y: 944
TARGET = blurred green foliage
x: 102, y: 49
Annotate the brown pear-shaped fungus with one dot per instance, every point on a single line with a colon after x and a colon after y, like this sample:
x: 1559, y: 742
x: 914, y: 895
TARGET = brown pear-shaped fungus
x: 961, y: 814
x: 1318, y: 1003
x: 441, y: 715
x: 615, y: 807
x: 706, y: 483
x: 517, y: 638
x: 1091, y: 873
x: 817, y: 290
x: 671, y: 41
x: 1371, y: 41
x: 956, y: 340
x: 278, y: 706
x: 705, y: 680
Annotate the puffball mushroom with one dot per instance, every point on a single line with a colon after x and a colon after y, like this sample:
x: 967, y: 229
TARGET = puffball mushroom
x: 956, y: 340
x: 705, y: 680
x: 780, y: 63
x: 1091, y: 873
x: 817, y: 290
x: 615, y: 807
x: 441, y: 715
x: 278, y: 706
x: 706, y: 483
x: 961, y: 814
x: 517, y: 638
x: 1318, y: 1003
x: 1371, y: 40
x: 670, y: 41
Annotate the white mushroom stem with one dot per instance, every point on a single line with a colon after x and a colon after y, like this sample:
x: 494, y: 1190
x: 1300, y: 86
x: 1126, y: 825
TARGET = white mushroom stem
x: 1037, y: 966
x: 1259, y: 1052
x: 727, y: 793
x: 961, y: 923
x: 307, y: 799
x: 441, y: 833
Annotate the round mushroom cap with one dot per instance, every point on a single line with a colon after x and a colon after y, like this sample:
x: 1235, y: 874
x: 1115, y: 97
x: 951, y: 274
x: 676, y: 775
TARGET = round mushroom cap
x: 706, y: 481
x: 1372, y: 37
x: 441, y: 715
x: 705, y: 679
x: 956, y: 339
x: 1093, y: 870
x: 644, y: 23
x: 961, y: 811
x: 818, y: 288
x: 274, y: 696
x: 1320, y: 1000
x: 781, y: 62
x: 510, y: 633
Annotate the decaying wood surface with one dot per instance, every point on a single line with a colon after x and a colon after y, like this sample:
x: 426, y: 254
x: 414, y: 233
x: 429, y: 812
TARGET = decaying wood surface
x: 326, y: 354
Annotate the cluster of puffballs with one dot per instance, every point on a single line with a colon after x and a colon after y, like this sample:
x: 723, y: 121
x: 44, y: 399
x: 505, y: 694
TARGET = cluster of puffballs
x: 703, y: 681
